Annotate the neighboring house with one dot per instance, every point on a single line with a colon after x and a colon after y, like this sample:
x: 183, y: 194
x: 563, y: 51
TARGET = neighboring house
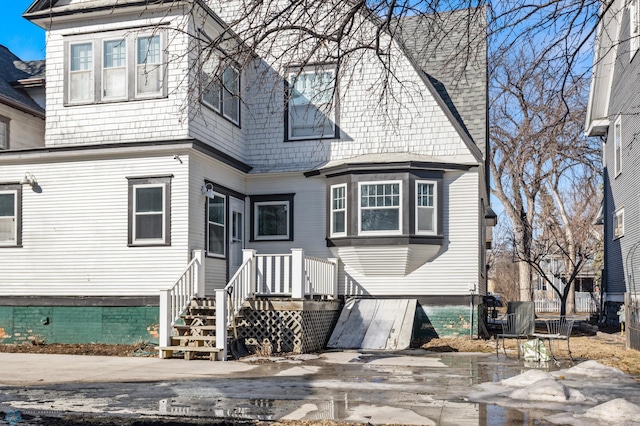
x: 21, y: 102
x: 613, y: 115
x: 146, y: 161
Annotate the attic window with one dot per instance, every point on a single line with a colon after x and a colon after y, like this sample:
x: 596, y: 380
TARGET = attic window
x: 311, y: 105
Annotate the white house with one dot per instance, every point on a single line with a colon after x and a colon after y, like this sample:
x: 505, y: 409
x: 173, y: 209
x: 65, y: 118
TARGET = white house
x: 157, y: 146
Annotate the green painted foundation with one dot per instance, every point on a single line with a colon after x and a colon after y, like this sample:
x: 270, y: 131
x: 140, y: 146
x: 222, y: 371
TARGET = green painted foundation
x: 78, y: 324
x: 443, y: 321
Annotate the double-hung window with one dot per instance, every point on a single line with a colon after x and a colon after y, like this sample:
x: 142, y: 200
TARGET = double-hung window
x: 617, y: 142
x: 81, y: 72
x: 618, y: 223
x: 114, y: 69
x: 272, y: 217
x: 426, y: 205
x: 216, y: 224
x: 4, y: 133
x: 380, y: 208
x: 149, y: 70
x: 338, y: 210
x: 311, y: 106
x: 9, y: 216
x: 221, y: 88
x: 149, y: 201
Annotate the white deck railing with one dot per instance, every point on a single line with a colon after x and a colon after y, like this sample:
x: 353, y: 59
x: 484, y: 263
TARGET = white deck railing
x: 174, y: 301
x: 321, y: 276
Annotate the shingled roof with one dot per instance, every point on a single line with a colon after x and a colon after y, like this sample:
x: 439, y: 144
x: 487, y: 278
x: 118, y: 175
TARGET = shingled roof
x: 13, y: 73
x: 450, y: 48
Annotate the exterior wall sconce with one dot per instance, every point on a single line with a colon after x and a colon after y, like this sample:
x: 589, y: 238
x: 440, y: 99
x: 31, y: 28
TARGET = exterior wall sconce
x: 29, y: 179
x: 207, y: 189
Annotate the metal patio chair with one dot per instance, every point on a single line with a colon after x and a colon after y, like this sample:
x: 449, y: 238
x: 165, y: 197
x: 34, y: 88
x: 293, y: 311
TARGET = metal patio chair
x: 511, y: 329
x: 558, y: 329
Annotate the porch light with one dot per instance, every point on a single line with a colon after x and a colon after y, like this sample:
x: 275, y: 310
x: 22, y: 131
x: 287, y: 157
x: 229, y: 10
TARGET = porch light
x: 207, y: 189
x: 29, y: 179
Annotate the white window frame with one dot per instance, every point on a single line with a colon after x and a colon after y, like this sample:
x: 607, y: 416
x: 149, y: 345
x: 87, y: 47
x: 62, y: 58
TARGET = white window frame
x: 90, y: 71
x: 124, y: 68
x: 151, y: 65
x: 134, y: 213
x: 256, y: 221
x: 15, y: 217
x: 328, y: 108
x: 333, y: 210
x: 223, y: 225
x: 227, y: 96
x: 397, y: 231
x: 434, y: 207
x: 4, y: 132
x: 210, y: 82
x: 618, y: 223
x: 617, y: 146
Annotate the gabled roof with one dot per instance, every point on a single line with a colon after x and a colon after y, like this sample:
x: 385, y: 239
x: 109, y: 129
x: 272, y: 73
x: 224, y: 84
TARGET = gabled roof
x: 450, y: 48
x: 16, y: 74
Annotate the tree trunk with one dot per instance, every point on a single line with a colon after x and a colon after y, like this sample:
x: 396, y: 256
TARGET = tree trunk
x: 571, y: 298
x: 524, y: 280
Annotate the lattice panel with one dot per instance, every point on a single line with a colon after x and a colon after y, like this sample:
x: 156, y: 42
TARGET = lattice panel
x: 288, y: 331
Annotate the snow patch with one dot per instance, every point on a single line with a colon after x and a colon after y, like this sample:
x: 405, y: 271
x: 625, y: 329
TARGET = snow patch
x: 525, y: 379
x: 615, y: 411
x: 547, y: 390
x: 592, y: 369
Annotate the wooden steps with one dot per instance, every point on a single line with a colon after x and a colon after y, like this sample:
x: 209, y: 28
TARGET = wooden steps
x: 195, y: 332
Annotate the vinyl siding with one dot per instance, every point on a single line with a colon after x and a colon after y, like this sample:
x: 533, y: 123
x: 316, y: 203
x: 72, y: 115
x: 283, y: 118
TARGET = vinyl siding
x: 25, y: 130
x: 74, y: 231
x: 452, y: 270
x: 623, y: 191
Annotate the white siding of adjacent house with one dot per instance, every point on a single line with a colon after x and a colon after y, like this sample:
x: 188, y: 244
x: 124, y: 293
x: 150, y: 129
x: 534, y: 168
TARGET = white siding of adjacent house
x: 450, y: 272
x: 74, y: 232
x: 25, y: 130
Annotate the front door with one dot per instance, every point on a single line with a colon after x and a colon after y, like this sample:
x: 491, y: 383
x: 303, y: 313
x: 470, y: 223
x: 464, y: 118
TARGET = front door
x: 236, y: 234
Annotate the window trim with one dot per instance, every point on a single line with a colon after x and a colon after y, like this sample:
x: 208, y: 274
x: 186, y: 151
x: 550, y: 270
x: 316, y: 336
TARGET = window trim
x: 213, y: 81
x: 344, y: 210
x: 6, y: 121
x: 160, y: 64
x: 235, y: 96
x: 289, y: 88
x: 400, y: 209
x: 165, y: 183
x: 617, y: 146
x: 224, y: 197
x: 618, y: 223
x: 16, y: 190
x: 103, y: 68
x: 91, y: 70
x: 434, y: 207
x: 276, y: 199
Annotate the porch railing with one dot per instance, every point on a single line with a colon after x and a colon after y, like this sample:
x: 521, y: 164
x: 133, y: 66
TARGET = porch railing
x: 585, y: 302
x: 174, y: 301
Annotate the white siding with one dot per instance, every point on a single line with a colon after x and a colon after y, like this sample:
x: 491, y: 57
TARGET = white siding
x: 450, y: 272
x: 131, y: 121
x: 25, y: 130
x: 74, y: 231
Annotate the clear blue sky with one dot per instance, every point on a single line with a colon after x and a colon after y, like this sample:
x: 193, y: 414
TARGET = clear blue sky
x: 23, y: 38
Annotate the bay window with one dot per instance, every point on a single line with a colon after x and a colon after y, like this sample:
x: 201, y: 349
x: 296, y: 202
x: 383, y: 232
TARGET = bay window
x: 338, y: 210
x: 425, y: 207
x: 380, y: 208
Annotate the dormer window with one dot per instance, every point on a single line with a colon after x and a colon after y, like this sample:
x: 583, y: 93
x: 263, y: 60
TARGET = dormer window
x: 114, y: 67
x: 311, y: 104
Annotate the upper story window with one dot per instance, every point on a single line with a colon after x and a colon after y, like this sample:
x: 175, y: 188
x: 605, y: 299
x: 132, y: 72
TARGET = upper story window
x: 4, y: 132
x: 426, y: 207
x: 10, y: 210
x: 618, y: 223
x: 380, y: 208
x: 311, y: 105
x: 114, y: 67
x: 617, y: 142
x: 81, y: 72
x: 634, y: 27
x: 221, y: 88
x: 149, y: 70
x: 150, y: 205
